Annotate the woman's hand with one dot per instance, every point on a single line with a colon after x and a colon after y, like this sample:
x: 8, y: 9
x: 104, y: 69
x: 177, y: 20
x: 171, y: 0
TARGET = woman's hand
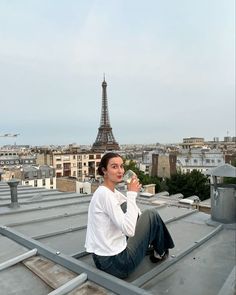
x: 134, y: 185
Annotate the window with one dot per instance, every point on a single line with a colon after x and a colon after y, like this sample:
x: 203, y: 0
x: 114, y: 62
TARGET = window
x: 91, y: 157
x: 195, y: 161
x: 80, y: 165
x: 51, y: 181
x: 35, y: 183
x: 81, y: 190
x: 58, y: 166
x: 44, y: 182
x: 219, y: 161
x: 74, y: 173
x: 208, y: 161
x: 66, y: 166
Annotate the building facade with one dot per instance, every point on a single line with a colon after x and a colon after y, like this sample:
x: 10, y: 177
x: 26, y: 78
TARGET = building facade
x: 36, y: 176
x: 199, y: 159
x: 192, y: 142
x: 80, y: 165
x: 9, y: 158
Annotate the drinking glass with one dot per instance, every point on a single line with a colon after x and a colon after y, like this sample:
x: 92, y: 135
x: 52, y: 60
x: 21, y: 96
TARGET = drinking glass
x: 128, y: 176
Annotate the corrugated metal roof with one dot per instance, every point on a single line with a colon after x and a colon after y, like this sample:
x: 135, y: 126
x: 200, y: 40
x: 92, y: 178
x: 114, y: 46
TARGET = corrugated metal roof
x: 54, y: 223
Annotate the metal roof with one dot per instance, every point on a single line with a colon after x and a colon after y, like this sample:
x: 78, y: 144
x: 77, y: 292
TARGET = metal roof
x: 225, y: 170
x: 42, y: 249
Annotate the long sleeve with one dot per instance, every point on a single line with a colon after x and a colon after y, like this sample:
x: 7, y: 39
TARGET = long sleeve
x: 108, y: 226
x: 126, y: 222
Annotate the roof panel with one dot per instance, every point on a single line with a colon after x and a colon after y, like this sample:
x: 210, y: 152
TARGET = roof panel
x: 203, y: 271
x: 21, y: 281
x: 9, y: 249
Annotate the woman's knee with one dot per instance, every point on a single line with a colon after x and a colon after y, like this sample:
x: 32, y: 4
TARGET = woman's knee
x: 151, y: 213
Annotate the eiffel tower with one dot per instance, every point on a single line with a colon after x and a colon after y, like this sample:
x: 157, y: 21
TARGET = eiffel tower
x: 105, y: 140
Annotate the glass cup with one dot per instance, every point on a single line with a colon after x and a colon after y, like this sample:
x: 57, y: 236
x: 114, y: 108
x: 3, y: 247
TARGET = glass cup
x: 128, y: 176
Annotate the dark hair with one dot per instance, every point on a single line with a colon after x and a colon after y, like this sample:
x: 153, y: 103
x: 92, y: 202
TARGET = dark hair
x: 104, y: 161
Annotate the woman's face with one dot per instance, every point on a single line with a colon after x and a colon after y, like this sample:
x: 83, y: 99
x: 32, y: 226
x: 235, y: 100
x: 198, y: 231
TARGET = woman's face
x: 115, y: 170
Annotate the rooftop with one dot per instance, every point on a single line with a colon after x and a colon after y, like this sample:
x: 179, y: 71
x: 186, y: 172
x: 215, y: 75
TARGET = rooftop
x: 42, y: 249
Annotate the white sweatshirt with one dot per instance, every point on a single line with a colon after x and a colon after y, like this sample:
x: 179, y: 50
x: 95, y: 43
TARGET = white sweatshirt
x: 108, y: 225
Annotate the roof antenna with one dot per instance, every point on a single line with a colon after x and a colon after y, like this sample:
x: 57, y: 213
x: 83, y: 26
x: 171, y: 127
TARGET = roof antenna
x: 104, y: 77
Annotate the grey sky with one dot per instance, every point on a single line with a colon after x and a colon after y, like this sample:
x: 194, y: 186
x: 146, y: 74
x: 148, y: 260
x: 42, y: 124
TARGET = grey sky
x: 169, y: 65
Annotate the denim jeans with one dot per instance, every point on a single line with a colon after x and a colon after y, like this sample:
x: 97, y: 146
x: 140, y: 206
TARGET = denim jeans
x: 150, y: 230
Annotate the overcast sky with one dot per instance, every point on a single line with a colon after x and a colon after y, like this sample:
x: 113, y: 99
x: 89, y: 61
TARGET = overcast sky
x: 169, y: 66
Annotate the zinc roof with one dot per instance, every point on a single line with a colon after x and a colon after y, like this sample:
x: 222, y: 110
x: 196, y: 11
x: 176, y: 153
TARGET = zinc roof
x: 225, y: 170
x: 50, y: 227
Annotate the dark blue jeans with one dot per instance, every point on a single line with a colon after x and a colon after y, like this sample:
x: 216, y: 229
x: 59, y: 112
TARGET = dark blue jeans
x: 150, y: 230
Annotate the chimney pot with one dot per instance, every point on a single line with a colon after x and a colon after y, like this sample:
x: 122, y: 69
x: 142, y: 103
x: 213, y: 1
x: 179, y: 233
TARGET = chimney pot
x: 13, y: 183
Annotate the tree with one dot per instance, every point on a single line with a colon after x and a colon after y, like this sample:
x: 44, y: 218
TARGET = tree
x: 189, y: 184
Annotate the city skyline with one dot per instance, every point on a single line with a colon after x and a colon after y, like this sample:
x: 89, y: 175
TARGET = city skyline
x: 169, y: 69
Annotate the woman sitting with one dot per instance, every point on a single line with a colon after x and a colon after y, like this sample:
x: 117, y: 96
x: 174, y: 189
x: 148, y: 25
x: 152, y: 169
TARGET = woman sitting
x: 108, y: 226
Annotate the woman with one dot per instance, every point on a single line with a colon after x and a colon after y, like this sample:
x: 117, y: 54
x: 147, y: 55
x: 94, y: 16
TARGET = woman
x: 119, y: 241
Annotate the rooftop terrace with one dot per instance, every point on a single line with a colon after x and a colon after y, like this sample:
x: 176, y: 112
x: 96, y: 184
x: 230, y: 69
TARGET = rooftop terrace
x: 42, y: 249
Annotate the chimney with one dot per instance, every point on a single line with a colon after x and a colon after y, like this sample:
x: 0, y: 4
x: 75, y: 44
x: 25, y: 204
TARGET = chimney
x: 13, y: 187
x: 223, y: 196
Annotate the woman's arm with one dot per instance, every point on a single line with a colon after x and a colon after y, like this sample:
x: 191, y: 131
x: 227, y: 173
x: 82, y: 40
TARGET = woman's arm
x: 126, y: 222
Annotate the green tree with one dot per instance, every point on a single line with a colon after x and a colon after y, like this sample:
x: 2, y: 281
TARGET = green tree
x: 198, y: 184
x: 177, y: 183
x: 189, y: 184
